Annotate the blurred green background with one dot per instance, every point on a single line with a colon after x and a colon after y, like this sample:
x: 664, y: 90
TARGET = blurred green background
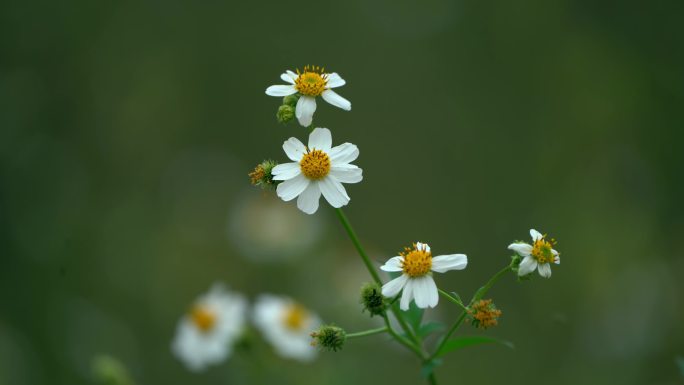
x: 127, y: 130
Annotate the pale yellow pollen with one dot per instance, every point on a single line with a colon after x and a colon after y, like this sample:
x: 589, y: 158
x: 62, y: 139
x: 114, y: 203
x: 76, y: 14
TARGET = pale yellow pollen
x: 315, y: 164
x: 203, y: 318
x: 541, y: 250
x: 416, y: 262
x: 295, y: 316
x: 312, y: 81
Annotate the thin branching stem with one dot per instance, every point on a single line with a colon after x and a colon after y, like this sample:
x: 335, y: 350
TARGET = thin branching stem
x: 366, y: 333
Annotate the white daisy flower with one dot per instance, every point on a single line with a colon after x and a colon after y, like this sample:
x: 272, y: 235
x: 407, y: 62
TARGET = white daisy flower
x: 318, y: 168
x: 205, y: 336
x: 539, y: 255
x: 417, y: 265
x: 287, y: 325
x: 309, y: 84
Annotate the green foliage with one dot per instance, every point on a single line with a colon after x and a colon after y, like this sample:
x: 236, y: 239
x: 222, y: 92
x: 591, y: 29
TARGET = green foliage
x: 429, y: 328
x: 462, y: 342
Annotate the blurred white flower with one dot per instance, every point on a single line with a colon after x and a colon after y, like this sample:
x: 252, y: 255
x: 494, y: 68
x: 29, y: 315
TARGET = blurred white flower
x: 539, y: 255
x: 287, y: 325
x: 417, y: 265
x: 205, y: 336
x: 318, y: 168
x: 310, y: 83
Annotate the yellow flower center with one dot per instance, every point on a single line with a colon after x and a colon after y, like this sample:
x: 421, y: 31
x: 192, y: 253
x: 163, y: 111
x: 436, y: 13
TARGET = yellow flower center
x: 315, y: 164
x: 541, y: 250
x: 312, y: 81
x: 203, y: 318
x: 295, y: 316
x: 416, y: 262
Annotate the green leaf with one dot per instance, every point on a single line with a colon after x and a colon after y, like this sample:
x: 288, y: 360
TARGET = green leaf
x: 462, y: 342
x: 430, y: 328
x: 429, y: 367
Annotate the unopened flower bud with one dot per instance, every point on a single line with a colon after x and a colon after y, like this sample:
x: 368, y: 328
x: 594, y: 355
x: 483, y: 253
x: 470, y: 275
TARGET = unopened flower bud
x: 262, y: 176
x: 329, y: 338
x: 372, y: 299
x: 285, y: 113
x: 291, y: 100
x: 483, y: 314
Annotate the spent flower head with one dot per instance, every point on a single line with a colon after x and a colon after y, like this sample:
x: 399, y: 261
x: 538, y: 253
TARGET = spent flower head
x: 310, y: 83
x: 329, y: 338
x: 484, y: 314
x: 317, y: 169
x: 417, y: 265
x: 539, y: 255
x: 262, y: 175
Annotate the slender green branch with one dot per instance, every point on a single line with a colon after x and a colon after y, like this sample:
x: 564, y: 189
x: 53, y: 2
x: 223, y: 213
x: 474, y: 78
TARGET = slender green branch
x: 476, y: 297
x: 451, y: 331
x: 403, y: 340
x: 432, y: 379
x: 484, y: 289
x: 452, y: 299
x: 355, y: 240
x: 367, y: 332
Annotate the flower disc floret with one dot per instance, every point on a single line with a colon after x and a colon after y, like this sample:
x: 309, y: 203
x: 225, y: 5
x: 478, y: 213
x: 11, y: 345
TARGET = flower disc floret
x: 312, y: 81
x: 417, y: 262
x: 204, y: 318
x: 315, y: 164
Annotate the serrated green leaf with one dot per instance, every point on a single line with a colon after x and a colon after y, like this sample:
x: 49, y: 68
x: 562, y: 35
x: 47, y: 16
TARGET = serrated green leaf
x: 429, y: 328
x: 462, y: 342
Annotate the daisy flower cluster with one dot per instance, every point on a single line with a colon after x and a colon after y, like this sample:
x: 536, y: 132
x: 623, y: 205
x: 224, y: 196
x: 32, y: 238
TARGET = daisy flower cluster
x: 218, y: 320
x: 320, y: 168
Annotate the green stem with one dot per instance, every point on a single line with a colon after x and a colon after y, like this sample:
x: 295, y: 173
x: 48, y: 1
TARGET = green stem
x: 476, y: 297
x: 403, y: 340
x: 355, y: 240
x: 432, y: 379
x: 452, y: 299
x: 367, y: 332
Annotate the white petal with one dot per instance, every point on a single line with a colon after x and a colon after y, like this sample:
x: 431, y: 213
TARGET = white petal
x: 434, y: 294
x: 523, y: 249
x: 334, y: 80
x: 347, y: 175
x: 424, y: 291
x: 308, y: 200
x: 407, y: 295
x: 306, y: 106
x: 536, y: 235
x: 527, y: 266
x: 545, y: 270
x: 443, y: 263
x: 344, y: 153
x: 336, y: 100
x: 292, y: 74
x: 557, y: 257
x: 280, y: 90
x: 393, y: 264
x: 393, y: 287
x: 287, y: 78
x: 320, y: 139
x: 334, y: 192
x: 294, y: 149
x: 285, y: 171
x: 290, y: 189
